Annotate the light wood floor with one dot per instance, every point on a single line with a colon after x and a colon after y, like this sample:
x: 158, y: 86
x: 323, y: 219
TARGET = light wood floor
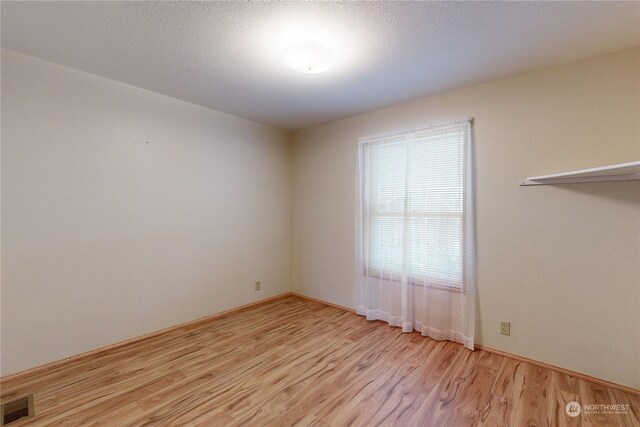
x: 296, y: 362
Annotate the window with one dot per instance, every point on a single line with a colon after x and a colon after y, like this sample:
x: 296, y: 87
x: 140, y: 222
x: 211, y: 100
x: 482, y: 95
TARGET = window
x: 412, y: 205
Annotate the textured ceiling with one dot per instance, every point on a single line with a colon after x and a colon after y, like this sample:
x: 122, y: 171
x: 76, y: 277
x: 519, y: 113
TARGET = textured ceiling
x: 227, y: 55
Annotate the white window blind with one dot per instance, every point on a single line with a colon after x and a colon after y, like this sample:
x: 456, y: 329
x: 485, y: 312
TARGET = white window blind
x: 416, y: 208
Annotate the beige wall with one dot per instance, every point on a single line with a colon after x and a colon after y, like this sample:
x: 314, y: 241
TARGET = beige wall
x: 562, y: 263
x: 105, y: 237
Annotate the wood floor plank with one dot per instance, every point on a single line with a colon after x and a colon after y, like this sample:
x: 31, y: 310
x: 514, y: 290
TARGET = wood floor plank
x: 532, y: 407
x: 631, y: 416
x: 563, y: 390
x: 437, y: 407
x: 104, y: 402
x: 293, y: 362
x: 475, y: 397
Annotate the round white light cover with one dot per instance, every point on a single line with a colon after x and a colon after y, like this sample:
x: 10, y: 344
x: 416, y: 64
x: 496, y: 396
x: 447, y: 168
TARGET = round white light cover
x: 309, y: 57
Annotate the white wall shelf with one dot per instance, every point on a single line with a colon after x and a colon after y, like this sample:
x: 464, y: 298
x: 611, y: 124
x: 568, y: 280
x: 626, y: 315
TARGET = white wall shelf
x: 620, y: 172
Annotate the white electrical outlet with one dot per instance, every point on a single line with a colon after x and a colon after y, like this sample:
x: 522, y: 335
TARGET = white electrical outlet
x: 505, y: 327
x: 258, y: 285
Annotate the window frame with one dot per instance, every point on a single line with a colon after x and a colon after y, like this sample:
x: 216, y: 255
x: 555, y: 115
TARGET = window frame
x: 394, y: 276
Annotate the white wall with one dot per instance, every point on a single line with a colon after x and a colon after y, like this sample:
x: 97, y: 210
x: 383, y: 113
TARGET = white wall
x: 106, y: 237
x: 562, y: 263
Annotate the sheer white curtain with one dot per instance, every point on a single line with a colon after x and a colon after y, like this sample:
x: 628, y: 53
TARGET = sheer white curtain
x: 415, y: 240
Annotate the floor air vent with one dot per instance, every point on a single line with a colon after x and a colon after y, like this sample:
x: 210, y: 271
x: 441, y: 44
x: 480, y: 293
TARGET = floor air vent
x: 16, y: 410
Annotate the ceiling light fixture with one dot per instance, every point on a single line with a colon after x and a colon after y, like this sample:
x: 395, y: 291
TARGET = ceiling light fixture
x: 309, y: 57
